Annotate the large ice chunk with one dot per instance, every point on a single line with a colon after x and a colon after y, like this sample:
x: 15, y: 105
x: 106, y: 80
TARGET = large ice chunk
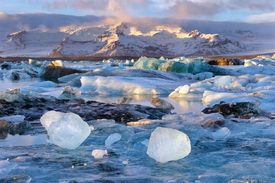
x: 112, y: 139
x: 167, y: 144
x: 67, y: 131
x: 50, y: 117
x: 185, y: 89
x: 126, y: 85
x: 222, y: 81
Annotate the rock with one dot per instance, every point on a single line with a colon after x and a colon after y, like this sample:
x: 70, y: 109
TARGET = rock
x: 223, y: 61
x: 238, y: 109
x: 56, y: 72
x: 17, y: 179
x: 3, y: 124
x: 19, y: 128
x: 126, y: 100
x: 214, y: 123
x: 160, y: 103
x: 6, y: 66
x: 90, y: 110
x: 167, y: 144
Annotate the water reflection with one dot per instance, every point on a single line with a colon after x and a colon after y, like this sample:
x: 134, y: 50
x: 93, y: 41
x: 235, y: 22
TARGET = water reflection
x: 21, y: 140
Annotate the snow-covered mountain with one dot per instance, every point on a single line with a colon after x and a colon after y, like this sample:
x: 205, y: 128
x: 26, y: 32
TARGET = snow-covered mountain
x: 66, y: 36
x: 124, y: 40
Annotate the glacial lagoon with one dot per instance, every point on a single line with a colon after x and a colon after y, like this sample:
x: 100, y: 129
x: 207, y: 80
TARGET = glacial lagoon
x: 236, y: 150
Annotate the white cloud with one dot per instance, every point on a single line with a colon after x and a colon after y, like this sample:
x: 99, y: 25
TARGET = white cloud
x: 266, y: 17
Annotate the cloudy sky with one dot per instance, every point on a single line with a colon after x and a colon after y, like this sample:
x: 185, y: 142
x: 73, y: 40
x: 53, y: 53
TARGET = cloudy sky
x: 217, y: 10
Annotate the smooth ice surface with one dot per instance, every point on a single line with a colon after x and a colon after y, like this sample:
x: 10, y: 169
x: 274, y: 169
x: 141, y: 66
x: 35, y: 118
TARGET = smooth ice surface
x: 45, y: 84
x: 115, y: 137
x: 222, y: 81
x: 98, y: 153
x: 66, y: 130
x: 14, y: 118
x: 49, y: 117
x: 167, y: 144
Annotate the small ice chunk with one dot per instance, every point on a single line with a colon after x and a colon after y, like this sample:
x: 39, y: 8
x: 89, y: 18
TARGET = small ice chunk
x: 120, y: 66
x: 221, y: 133
x: 222, y: 81
x: 185, y: 89
x: 14, y: 118
x: 50, y: 117
x: 98, y: 153
x: 167, y: 144
x: 112, y: 139
x: 66, y: 130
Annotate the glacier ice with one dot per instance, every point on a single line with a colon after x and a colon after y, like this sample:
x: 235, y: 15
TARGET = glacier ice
x: 222, y: 81
x: 98, y: 153
x: 50, y: 117
x: 167, y: 144
x: 126, y: 85
x: 112, y: 139
x: 66, y: 130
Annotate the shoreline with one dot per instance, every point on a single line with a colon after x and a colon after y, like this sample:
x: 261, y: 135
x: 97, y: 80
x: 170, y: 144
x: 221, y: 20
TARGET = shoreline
x: 88, y: 58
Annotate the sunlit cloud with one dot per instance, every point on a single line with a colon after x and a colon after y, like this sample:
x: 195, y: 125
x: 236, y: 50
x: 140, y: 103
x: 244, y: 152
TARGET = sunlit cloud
x: 177, y: 8
x: 266, y: 17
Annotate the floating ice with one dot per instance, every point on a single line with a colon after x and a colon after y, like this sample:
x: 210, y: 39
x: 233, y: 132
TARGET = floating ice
x: 167, y: 144
x: 222, y: 81
x: 66, y: 130
x: 98, y: 153
x: 112, y: 139
x: 221, y: 133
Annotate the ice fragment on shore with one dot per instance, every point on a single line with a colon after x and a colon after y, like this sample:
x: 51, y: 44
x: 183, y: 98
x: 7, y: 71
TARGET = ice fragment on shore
x: 98, y: 153
x: 167, y: 144
x: 112, y: 139
x: 66, y: 130
x: 71, y: 94
x: 222, y: 81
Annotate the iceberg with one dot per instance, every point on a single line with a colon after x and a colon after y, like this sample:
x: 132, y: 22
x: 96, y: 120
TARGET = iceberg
x: 126, y: 85
x: 66, y: 130
x: 167, y: 144
x: 148, y: 63
x: 115, y: 137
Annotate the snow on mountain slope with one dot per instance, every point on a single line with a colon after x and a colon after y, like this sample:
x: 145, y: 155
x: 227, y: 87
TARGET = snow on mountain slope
x: 122, y: 40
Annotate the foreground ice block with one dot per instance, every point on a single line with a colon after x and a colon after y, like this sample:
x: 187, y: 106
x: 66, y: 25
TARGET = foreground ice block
x: 66, y: 130
x: 167, y: 144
